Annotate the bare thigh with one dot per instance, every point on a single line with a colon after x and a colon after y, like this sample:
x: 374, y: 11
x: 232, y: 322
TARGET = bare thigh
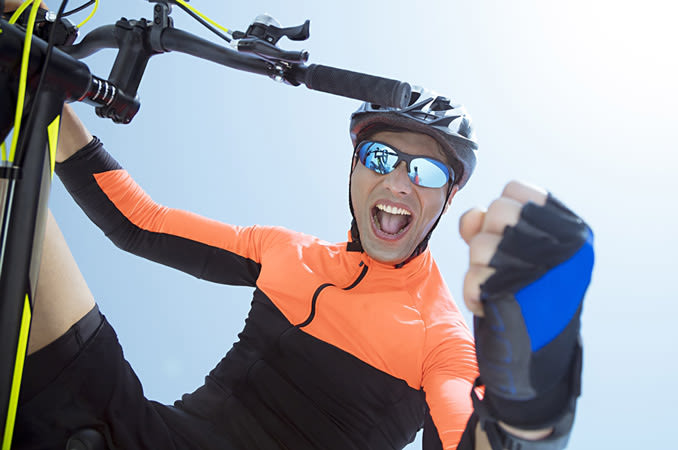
x: 62, y: 296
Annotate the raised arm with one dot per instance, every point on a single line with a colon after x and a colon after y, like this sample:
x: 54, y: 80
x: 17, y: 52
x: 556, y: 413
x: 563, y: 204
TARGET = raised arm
x: 108, y: 195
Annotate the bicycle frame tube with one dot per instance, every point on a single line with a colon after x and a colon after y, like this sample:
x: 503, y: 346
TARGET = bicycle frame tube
x: 22, y: 227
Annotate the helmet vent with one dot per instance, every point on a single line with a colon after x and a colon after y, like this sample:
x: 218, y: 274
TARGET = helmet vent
x: 444, y: 121
x: 465, y: 128
x: 417, y: 106
x: 440, y: 104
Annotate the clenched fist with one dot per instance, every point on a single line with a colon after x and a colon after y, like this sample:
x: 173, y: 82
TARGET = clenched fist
x: 530, y: 263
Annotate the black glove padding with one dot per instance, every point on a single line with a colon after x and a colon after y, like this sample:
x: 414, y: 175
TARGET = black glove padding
x: 527, y: 344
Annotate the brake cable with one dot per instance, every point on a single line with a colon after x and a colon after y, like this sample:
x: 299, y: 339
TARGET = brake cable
x: 23, y: 75
x: 204, y: 20
x: 19, y: 10
x: 87, y: 19
x: 46, y: 17
x: 78, y: 8
x: 43, y: 73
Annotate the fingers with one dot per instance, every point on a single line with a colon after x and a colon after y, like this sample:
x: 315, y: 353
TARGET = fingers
x: 471, y: 223
x: 524, y: 192
x: 482, y: 247
x: 483, y: 231
x: 475, y: 277
x: 481, y: 250
x: 502, y: 212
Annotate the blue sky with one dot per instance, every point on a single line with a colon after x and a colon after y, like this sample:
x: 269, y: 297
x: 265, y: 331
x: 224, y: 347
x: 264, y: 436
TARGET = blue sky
x: 575, y: 96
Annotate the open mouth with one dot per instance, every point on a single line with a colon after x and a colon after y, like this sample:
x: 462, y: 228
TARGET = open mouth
x: 390, y: 222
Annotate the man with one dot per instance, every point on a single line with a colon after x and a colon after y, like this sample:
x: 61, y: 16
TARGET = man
x: 349, y: 345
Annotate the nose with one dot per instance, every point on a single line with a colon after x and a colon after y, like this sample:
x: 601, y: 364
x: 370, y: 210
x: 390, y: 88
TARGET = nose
x: 398, y: 182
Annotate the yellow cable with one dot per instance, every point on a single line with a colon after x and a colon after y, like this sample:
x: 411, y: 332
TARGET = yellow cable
x: 16, y: 376
x: 22, y: 78
x: 3, y: 148
x: 26, y: 314
x: 18, y: 12
x: 202, y: 16
x: 96, y: 6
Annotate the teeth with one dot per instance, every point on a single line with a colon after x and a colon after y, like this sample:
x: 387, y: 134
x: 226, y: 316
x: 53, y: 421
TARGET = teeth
x: 393, y: 210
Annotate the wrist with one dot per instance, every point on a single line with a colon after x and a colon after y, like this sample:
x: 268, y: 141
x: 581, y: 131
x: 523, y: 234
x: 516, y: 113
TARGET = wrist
x: 73, y: 134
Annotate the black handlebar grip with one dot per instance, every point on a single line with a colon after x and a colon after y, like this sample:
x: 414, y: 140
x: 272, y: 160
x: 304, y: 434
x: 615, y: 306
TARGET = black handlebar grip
x: 360, y: 86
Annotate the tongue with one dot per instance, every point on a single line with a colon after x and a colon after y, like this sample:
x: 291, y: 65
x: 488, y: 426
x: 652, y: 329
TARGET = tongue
x: 391, y: 223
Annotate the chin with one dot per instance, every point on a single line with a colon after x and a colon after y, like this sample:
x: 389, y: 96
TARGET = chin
x: 386, y: 256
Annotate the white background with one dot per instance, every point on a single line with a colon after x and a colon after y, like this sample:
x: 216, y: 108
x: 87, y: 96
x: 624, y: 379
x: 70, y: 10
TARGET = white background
x: 576, y: 96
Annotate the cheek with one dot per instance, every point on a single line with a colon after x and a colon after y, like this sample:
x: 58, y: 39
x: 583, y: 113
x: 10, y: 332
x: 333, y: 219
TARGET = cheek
x: 434, y: 206
x: 357, y: 191
x: 362, y: 182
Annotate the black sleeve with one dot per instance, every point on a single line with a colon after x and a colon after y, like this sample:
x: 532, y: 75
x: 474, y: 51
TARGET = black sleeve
x: 202, y: 247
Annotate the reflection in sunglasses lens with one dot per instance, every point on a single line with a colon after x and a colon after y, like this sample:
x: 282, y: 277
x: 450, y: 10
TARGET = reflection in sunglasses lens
x: 422, y: 171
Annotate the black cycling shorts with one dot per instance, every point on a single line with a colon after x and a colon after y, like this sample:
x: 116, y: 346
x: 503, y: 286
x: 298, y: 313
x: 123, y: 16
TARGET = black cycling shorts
x: 81, y: 381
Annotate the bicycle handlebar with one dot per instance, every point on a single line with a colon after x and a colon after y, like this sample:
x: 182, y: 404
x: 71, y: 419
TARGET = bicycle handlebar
x: 356, y: 85
x: 322, y: 78
x: 137, y: 41
x: 67, y: 74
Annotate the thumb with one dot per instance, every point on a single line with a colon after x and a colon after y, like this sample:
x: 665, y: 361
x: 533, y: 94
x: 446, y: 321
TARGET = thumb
x: 470, y: 223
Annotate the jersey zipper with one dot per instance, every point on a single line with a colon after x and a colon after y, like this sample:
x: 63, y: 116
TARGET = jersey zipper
x: 325, y: 285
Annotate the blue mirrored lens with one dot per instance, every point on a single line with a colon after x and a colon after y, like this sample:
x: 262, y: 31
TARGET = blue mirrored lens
x: 428, y: 172
x: 422, y: 171
x: 378, y: 157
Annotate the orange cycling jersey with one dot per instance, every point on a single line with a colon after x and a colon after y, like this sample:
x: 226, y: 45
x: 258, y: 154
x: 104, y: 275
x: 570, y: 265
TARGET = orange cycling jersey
x: 339, y: 351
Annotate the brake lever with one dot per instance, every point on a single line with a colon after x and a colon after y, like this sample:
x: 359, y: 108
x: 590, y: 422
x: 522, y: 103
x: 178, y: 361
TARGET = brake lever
x: 264, y: 33
x: 268, y: 29
x: 271, y: 52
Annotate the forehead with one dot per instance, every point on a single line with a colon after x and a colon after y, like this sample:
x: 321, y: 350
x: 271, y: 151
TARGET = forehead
x: 413, y: 143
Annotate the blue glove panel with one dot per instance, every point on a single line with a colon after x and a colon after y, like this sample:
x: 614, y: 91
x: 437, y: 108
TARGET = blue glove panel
x: 549, y: 303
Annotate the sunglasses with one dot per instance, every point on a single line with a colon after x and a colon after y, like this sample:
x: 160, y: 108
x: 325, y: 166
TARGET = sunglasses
x: 422, y: 170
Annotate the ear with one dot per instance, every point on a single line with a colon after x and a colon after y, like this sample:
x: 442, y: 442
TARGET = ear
x: 454, y: 190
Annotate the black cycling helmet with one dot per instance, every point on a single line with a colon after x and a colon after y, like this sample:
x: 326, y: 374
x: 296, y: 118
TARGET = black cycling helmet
x: 428, y: 113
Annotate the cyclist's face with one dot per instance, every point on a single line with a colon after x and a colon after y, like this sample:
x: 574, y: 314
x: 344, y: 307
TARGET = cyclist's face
x: 393, y: 214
